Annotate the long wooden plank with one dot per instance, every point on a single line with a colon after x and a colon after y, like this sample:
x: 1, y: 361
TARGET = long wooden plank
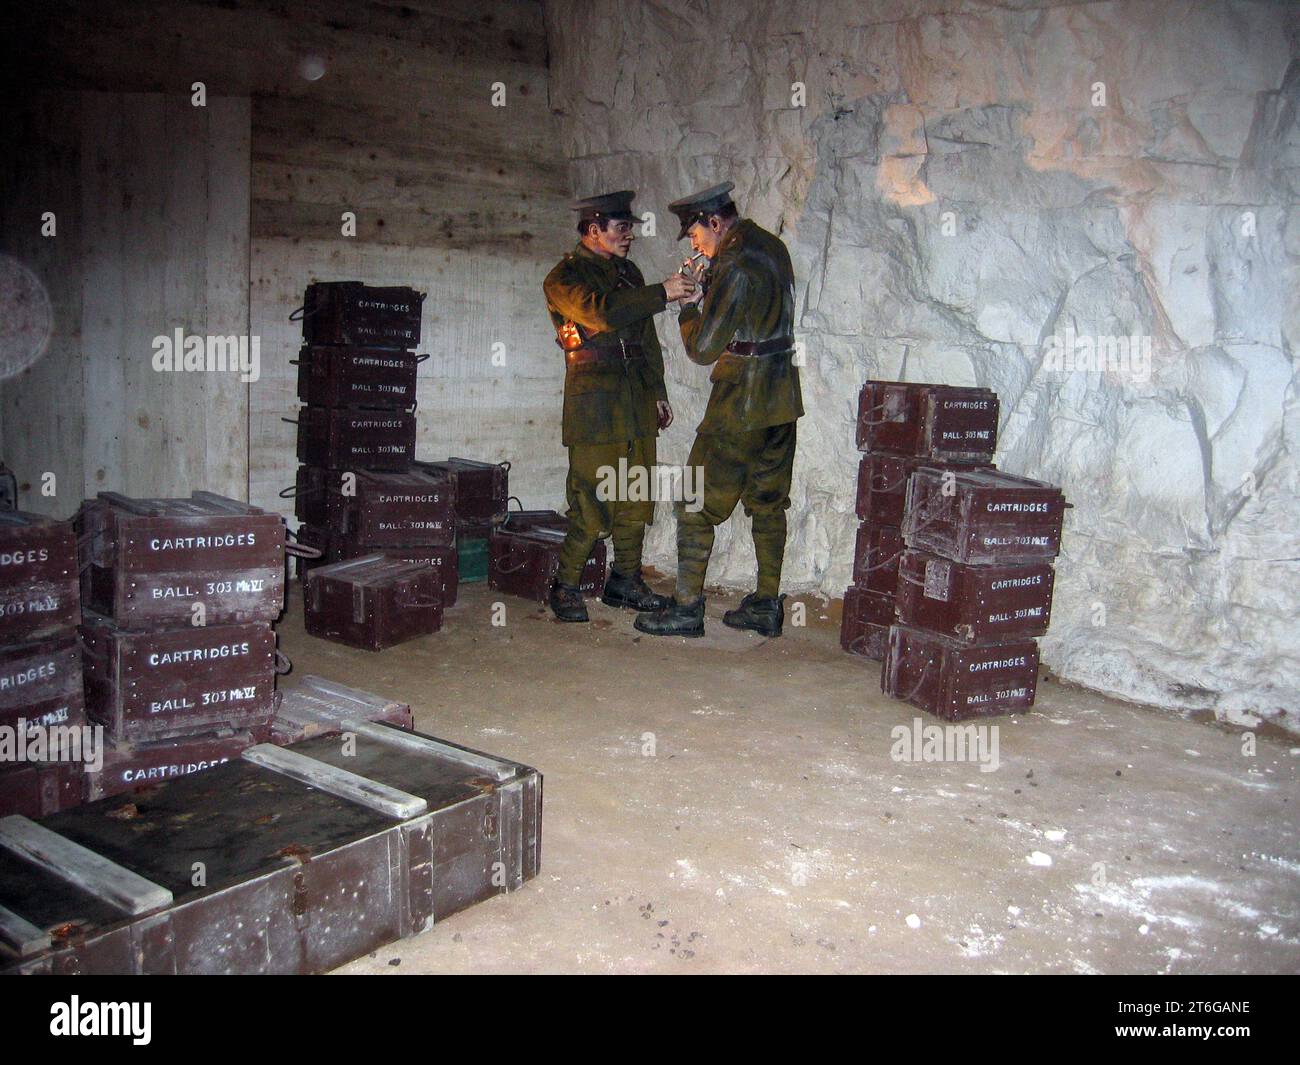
x: 396, y: 737
x: 79, y: 865
x: 21, y: 936
x: 391, y: 802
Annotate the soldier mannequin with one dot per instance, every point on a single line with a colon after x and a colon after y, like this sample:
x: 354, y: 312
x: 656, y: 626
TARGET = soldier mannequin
x: 615, y: 401
x: 740, y: 322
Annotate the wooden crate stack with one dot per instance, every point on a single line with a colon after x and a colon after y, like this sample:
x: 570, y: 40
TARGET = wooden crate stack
x: 357, y: 373
x: 901, y: 428
x: 974, y: 592
x: 40, y: 661
x: 359, y: 490
x: 178, y: 597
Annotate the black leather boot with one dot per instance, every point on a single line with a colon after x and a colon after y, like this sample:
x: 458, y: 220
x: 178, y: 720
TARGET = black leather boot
x: 631, y: 591
x: 676, y: 619
x: 765, y: 615
x: 566, y: 602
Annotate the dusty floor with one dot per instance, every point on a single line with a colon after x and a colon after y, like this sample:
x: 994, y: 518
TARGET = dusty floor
x: 730, y: 804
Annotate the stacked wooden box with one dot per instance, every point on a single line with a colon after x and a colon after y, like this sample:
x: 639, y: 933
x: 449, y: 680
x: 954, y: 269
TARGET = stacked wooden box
x: 408, y: 516
x: 356, y: 375
x: 357, y: 379
x: 901, y: 428
x: 525, y: 556
x: 40, y: 662
x: 178, y: 597
x: 974, y: 592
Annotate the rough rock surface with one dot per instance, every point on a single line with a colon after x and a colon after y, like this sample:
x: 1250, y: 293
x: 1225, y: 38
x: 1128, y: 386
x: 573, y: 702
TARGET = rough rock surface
x: 960, y: 199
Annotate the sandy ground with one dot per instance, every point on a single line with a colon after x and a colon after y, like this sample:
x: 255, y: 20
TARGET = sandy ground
x: 730, y: 804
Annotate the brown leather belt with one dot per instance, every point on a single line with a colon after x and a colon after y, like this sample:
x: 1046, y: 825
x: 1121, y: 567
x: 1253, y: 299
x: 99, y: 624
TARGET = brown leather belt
x: 753, y: 348
x: 591, y: 355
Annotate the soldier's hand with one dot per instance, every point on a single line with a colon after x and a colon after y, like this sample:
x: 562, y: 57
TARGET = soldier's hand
x: 678, y: 286
x: 694, y: 297
x: 665, y: 411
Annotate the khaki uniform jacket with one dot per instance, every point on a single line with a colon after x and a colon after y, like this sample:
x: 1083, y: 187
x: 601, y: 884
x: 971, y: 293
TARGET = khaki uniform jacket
x: 610, y: 402
x: 750, y: 297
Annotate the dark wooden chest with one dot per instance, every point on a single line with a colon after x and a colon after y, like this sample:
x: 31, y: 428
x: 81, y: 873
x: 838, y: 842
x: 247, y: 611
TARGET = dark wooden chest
x: 864, y: 628
x: 974, y: 604
x: 442, y: 559
x: 956, y: 681
x: 35, y: 789
x: 357, y: 377
x: 39, y: 594
x: 283, y: 860
x: 372, y: 602
x: 166, y: 683
x: 148, y: 562
x: 875, y: 557
x: 370, y: 509
x: 399, y: 510
x: 348, y: 312
x: 525, y: 563
x: 929, y: 421
x: 882, y: 485
x: 983, y: 517
x: 347, y: 438
x: 41, y: 683
x: 482, y: 488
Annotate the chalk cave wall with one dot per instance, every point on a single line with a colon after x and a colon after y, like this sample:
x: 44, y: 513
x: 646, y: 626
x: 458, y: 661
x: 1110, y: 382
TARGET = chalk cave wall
x: 955, y: 193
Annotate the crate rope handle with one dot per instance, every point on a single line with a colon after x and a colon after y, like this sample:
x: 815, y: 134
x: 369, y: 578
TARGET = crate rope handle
x: 855, y: 643
x: 299, y: 550
x: 420, y: 358
x: 924, y: 673
x: 501, y: 568
x: 293, y: 491
x: 876, y: 477
x: 418, y: 603
x: 508, y: 511
x: 300, y: 313
x: 875, y: 421
x: 882, y: 565
x: 282, y: 663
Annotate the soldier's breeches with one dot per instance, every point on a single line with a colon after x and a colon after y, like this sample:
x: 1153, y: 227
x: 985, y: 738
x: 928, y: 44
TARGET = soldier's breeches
x: 754, y: 469
x: 603, y: 490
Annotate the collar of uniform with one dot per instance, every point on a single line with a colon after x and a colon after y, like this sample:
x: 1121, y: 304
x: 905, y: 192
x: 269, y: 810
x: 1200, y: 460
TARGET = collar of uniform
x: 583, y: 252
x: 735, y: 235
